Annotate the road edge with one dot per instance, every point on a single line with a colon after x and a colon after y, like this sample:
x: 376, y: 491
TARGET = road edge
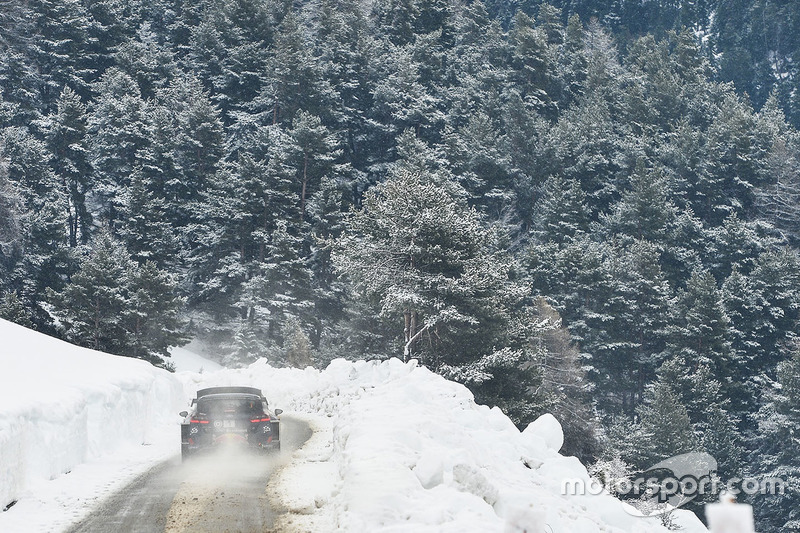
x: 300, y: 492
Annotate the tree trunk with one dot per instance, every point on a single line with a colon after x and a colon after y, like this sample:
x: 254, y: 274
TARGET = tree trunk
x: 406, y: 334
x: 303, y: 193
x: 407, y: 349
x: 96, y: 323
x: 262, y: 250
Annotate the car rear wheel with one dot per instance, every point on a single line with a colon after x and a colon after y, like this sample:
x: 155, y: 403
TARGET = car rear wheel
x: 186, y: 453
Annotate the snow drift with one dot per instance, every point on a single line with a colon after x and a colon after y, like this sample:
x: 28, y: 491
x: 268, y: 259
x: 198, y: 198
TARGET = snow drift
x: 399, y: 448
x: 62, y: 405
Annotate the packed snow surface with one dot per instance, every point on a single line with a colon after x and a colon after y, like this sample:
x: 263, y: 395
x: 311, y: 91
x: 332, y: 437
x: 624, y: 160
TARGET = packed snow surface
x: 395, y: 448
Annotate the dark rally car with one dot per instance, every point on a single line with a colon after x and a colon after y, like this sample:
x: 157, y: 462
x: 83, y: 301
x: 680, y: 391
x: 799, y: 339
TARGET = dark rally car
x: 229, y: 415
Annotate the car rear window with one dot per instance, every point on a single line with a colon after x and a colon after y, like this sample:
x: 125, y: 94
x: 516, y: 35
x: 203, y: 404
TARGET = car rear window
x: 229, y: 406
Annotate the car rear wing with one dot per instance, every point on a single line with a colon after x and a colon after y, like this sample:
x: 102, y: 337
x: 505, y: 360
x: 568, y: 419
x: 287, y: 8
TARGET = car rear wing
x: 229, y: 390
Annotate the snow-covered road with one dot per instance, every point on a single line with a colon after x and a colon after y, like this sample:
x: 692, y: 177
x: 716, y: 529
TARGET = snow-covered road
x: 209, y: 494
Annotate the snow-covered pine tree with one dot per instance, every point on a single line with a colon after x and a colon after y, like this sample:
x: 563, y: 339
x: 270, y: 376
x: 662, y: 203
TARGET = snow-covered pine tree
x: 475, y: 156
x: 560, y: 214
x: 317, y: 149
x: 114, y: 305
x: 531, y: 61
x: 13, y: 310
x: 91, y: 308
x: 12, y: 214
x: 43, y: 258
x: 700, y: 328
x: 152, y: 313
x: 198, y: 148
x: 66, y: 140
x: 776, y: 454
x: 424, y: 259
x: 117, y: 128
x: 665, y: 427
x: 144, y: 223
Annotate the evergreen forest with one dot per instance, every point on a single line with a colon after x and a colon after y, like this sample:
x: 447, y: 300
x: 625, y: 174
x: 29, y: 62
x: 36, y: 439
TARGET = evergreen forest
x: 586, y: 207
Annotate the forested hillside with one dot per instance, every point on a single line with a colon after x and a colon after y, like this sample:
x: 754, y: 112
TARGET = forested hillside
x: 565, y: 213
x: 753, y: 43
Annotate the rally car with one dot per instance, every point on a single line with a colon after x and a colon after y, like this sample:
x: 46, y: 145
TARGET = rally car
x: 229, y: 416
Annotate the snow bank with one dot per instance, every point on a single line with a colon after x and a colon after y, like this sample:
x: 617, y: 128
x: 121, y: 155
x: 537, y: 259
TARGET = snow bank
x: 395, y: 447
x: 398, y: 448
x: 62, y: 405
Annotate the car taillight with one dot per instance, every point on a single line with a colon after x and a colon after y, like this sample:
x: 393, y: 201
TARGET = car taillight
x: 195, y: 421
x: 256, y: 420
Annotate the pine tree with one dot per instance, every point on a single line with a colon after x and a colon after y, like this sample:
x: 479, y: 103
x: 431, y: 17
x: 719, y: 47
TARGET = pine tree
x: 423, y: 258
x: 152, y: 313
x: 113, y: 305
x: 777, y: 450
x: 644, y: 211
x: 64, y: 34
x: 397, y: 19
x: 710, y: 413
x: 746, y: 308
x: 198, y: 144
x: 665, y: 427
x: 151, y: 64
x: 560, y: 214
x: 700, y: 328
x: 738, y: 243
x: 277, y: 289
x: 66, y: 140
x: 20, y: 80
x: 12, y: 214
x: 144, y: 223
x: 778, y: 199
x: 13, y: 310
x: 604, y: 74
x: 736, y: 162
x: 117, y: 132
x: 401, y: 100
x: 578, y: 280
x: 531, y: 62
x: 317, y: 150
x: 572, y: 63
x: 475, y: 155
x: 346, y: 56
x: 629, y: 344
x: 40, y: 256
x: 587, y: 145
x: 776, y: 278
x: 294, y: 80
x: 326, y: 210
x: 91, y: 308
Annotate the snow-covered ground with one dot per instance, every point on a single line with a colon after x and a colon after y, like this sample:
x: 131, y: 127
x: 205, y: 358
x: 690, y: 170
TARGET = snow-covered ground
x: 74, y: 425
x: 186, y: 360
x: 396, y: 447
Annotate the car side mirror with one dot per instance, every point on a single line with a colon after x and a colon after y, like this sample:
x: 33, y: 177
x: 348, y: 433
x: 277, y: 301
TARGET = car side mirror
x: 278, y: 412
x: 184, y: 414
